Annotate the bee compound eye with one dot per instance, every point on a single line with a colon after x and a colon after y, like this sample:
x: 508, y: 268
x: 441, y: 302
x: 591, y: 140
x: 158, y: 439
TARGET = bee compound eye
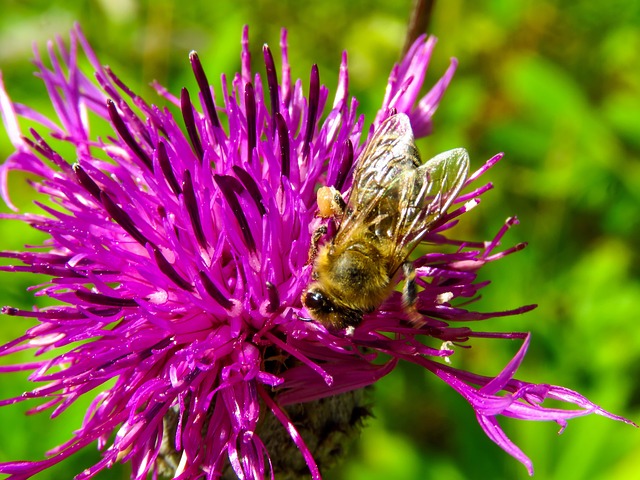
x: 316, y: 300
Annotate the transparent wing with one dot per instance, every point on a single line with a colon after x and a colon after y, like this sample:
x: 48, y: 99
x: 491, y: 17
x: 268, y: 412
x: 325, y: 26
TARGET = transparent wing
x: 390, y: 152
x: 427, y: 194
x: 394, y: 197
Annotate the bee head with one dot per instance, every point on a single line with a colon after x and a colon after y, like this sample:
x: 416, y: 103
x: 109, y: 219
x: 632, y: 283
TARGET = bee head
x: 317, y: 302
x: 324, y: 310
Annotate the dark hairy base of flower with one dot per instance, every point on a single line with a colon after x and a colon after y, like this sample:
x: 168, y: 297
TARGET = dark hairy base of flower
x: 169, y: 457
x: 328, y: 426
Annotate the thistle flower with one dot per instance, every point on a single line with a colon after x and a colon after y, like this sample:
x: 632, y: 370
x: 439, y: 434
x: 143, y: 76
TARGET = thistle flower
x: 177, y: 261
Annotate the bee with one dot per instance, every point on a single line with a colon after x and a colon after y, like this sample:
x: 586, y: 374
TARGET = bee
x: 394, y: 202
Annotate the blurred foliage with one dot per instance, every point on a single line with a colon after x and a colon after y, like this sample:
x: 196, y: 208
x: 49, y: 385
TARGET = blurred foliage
x: 553, y: 84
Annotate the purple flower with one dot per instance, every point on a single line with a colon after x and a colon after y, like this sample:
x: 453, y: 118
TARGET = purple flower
x: 177, y: 261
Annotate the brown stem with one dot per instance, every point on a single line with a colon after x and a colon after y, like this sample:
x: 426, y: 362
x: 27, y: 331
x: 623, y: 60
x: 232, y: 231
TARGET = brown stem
x: 418, y: 22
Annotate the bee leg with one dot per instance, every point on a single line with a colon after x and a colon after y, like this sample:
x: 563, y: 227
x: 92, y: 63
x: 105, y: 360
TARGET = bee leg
x: 338, y: 205
x: 313, y: 249
x: 410, y: 293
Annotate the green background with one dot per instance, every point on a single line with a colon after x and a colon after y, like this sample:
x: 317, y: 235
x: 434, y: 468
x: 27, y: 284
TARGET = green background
x: 553, y: 84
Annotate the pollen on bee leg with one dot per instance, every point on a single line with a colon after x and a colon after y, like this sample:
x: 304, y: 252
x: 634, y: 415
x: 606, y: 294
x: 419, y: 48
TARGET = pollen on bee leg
x: 410, y: 294
x: 330, y: 202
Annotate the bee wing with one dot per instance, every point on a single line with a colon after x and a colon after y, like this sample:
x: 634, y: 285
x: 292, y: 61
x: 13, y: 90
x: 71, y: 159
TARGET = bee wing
x: 394, y: 197
x: 426, y: 195
x: 390, y: 152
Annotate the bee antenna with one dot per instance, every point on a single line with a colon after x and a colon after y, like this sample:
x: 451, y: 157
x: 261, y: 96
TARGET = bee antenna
x: 304, y: 319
